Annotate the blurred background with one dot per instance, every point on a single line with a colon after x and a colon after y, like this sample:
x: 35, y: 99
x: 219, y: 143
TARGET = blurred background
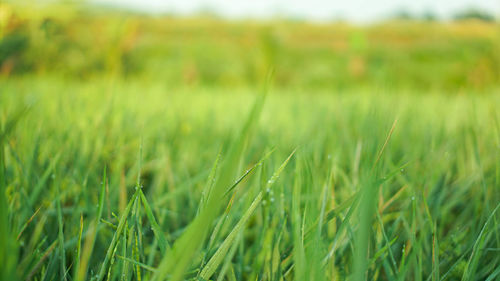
x: 425, y: 46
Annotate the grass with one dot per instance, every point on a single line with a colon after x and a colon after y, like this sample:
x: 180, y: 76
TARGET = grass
x: 301, y: 186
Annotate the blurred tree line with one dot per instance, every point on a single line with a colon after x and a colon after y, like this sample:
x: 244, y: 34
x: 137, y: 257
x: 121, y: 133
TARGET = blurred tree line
x: 463, y: 15
x: 81, y: 42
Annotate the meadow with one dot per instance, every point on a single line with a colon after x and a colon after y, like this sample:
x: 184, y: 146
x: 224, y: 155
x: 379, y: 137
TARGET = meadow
x: 162, y: 148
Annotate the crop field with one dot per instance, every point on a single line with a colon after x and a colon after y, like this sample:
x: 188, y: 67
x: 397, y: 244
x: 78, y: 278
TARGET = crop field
x: 135, y: 147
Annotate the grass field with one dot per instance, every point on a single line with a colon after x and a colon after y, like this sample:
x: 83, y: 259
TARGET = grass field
x: 111, y: 176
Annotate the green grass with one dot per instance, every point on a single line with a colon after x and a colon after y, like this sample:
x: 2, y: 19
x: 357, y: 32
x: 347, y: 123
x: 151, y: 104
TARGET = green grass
x: 125, y: 180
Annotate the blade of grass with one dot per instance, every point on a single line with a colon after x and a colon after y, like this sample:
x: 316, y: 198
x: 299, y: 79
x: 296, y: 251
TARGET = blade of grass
x: 472, y: 263
x: 217, y: 258
x: 27, y: 223
x: 116, y: 236
x: 435, y: 255
x: 34, y: 194
x: 248, y: 171
x: 160, y: 236
x: 210, y: 183
x: 82, y: 268
x: 145, y: 266
x: 42, y: 259
x: 62, y: 252
x: 79, y: 247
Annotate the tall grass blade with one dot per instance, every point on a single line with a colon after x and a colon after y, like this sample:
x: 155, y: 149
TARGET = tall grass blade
x: 116, y: 236
x: 82, y: 265
x: 160, y: 236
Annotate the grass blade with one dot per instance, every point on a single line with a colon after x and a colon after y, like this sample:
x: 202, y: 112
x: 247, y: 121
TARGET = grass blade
x: 82, y: 265
x: 116, y: 236
x: 217, y: 258
x: 60, y: 238
x: 160, y: 236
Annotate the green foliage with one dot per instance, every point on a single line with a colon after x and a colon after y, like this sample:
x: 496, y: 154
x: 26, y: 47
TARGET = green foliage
x: 475, y: 14
x: 349, y: 169
x: 12, y: 46
x: 82, y: 42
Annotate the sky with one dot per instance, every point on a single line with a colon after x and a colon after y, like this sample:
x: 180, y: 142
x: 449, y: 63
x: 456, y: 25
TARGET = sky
x: 315, y: 10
